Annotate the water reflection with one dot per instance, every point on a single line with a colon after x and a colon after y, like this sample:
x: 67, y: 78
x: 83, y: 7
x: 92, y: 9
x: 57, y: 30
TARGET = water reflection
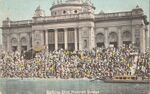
x: 38, y: 86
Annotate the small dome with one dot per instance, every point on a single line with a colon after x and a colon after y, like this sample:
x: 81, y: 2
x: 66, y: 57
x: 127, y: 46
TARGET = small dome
x: 101, y: 12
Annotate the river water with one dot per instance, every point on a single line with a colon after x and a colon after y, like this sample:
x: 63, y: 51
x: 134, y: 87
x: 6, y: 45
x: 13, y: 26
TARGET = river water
x: 71, y: 86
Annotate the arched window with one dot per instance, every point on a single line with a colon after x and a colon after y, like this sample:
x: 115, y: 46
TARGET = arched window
x: 127, y: 38
x: 100, y: 40
x: 113, y: 39
x: 23, y: 43
x: 14, y: 44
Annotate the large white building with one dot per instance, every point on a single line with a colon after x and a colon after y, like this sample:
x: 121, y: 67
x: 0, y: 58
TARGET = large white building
x: 73, y: 25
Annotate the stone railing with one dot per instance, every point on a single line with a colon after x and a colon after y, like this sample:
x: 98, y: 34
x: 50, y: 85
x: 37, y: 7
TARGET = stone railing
x: 70, y: 17
x: 112, y: 15
x: 23, y: 22
x: 17, y: 23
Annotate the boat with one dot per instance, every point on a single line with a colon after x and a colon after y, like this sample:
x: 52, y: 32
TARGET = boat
x: 126, y: 79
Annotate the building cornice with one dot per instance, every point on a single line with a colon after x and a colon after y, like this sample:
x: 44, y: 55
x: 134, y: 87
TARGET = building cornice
x: 16, y: 26
x: 114, y: 18
x: 63, y: 21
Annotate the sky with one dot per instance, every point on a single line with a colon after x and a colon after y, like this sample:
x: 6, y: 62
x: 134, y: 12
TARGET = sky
x: 24, y: 9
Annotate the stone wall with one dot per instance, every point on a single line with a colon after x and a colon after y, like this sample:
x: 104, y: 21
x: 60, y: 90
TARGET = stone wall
x: 17, y: 37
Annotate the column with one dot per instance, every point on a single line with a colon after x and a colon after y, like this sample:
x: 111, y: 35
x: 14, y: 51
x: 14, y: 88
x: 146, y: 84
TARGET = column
x: 133, y: 35
x: 142, y: 39
x: 29, y: 41
x: 66, y: 38
x: 19, y: 48
x: 92, y: 38
x: 147, y: 38
x: 56, y: 39
x: 80, y: 38
x: 106, y: 37
x: 119, y: 37
x: 33, y: 39
x: 46, y: 40
x: 75, y: 39
x: 8, y: 43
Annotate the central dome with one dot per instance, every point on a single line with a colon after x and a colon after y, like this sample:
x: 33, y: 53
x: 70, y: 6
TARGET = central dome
x: 70, y: 7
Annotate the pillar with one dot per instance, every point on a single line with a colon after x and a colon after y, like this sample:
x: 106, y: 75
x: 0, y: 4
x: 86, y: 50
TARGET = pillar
x: 75, y: 39
x: 46, y: 39
x: 56, y: 39
x: 29, y: 41
x: 8, y: 43
x: 142, y: 39
x: 19, y: 48
x: 119, y: 37
x: 80, y: 39
x: 92, y: 38
x: 106, y: 37
x: 147, y: 38
x: 133, y: 35
x: 33, y: 38
x: 66, y: 38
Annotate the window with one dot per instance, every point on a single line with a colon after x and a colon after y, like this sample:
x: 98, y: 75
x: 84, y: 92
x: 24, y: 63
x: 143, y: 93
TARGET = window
x: 55, y: 13
x: 14, y: 48
x: 120, y: 78
x: 124, y: 78
x: 85, y: 43
x: 64, y: 12
x: 75, y: 11
x: 133, y: 78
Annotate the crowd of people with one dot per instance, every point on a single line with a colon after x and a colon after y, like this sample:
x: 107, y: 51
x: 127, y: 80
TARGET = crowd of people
x: 96, y: 63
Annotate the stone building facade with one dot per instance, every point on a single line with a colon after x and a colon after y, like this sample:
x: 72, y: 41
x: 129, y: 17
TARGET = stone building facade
x: 73, y: 25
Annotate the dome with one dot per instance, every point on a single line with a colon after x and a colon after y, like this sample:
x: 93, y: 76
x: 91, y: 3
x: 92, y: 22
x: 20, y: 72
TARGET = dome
x: 70, y: 7
x: 101, y: 12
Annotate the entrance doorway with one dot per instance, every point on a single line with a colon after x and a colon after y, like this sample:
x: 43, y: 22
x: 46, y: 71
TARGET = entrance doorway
x: 14, y: 48
x: 114, y: 44
x: 24, y: 48
x: 71, y: 46
x: 100, y: 40
x: 113, y: 39
x: 60, y: 46
x: 100, y: 44
x: 51, y: 47
x: 127, y: 43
